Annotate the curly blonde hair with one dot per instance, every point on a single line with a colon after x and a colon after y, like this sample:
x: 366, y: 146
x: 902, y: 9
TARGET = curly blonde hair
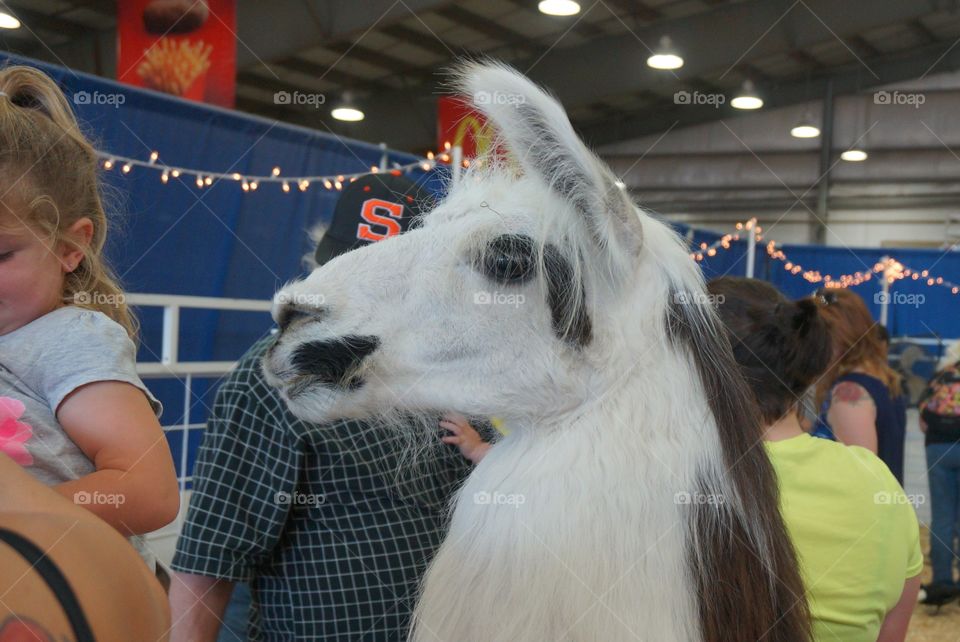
x: 49, y: 180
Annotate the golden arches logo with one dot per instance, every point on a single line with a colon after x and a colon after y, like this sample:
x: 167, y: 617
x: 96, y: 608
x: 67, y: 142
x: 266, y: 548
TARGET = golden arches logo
x: 475, y: 127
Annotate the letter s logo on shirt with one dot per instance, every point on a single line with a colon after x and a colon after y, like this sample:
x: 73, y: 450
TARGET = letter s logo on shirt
x: 373, y: 213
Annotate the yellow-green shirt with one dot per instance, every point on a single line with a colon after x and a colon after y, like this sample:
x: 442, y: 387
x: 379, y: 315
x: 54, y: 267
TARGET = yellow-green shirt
x: 855, y: 532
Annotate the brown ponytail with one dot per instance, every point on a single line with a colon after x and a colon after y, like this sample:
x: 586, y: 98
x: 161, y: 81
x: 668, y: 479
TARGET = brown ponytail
x: 781, y: 346
x: 49, y: 172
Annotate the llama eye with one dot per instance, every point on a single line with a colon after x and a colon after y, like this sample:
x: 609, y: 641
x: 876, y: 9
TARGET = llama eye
x: 508, y: 259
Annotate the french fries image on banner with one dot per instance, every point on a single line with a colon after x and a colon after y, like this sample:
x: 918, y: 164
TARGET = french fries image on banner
x: 172, y: 65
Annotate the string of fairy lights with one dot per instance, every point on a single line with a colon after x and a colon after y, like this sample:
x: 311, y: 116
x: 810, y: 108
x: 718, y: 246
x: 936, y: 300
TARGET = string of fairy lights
x: 887, y: 268
x: 251, y: 182
x: 891, y: 269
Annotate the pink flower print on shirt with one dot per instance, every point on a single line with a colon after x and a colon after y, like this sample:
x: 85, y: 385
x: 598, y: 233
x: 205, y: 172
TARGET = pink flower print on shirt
x: 13, y: 433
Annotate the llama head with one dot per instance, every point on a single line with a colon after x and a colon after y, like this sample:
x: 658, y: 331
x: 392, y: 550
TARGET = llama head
x: 527, y: 292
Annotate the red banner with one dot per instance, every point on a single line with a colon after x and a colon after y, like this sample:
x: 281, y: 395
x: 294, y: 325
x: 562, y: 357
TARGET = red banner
x: 182, y: 47
x: 460, y: 124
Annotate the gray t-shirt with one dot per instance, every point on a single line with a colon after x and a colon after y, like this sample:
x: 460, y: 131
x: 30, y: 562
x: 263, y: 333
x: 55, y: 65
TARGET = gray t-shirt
x: 43, y: 362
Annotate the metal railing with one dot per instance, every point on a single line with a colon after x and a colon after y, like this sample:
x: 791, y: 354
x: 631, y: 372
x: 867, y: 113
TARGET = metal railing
x: 170, y: 366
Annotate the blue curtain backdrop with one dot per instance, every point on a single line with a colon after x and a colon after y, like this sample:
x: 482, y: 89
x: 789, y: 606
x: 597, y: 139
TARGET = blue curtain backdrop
x: 915, y: 310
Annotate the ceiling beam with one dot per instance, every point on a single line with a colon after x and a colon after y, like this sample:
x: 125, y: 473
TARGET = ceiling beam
x: 636, y: 10
x: 390, y: 64
x: 921, y: 29
x: 426, y: 41
x: 325, y: 73
x: 863, y: 48
x: 490, y: 28
x: 299, y: 22
x: 106, y: 7
x: 806, y: 59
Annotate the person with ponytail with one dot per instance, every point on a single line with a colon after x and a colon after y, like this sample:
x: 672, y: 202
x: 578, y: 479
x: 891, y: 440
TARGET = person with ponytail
x: 860, y: 395
x: 73, y: 411
x: 856, y: 535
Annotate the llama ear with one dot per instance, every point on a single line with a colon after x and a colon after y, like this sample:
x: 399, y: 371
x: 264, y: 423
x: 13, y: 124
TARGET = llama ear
x: 535, y: 129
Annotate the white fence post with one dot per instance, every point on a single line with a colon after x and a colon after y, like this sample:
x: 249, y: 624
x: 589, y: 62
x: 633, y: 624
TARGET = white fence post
x: 885, y: 297
x: 751, y: 246
x: 171, y: 334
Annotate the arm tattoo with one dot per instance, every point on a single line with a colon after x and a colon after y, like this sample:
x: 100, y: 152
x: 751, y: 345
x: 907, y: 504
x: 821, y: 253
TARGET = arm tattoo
x: 23, y: 628
x: 851, y: 393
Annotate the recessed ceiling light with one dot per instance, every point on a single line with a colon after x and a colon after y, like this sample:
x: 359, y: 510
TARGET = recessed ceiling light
x: 854, y: 155
x: 665, y: 61
x: 8, y: 21
x: 559, y: 7
x: 805, y: 130
x: 349, y: 114
x: 747, y: 98
x: 665, y: 57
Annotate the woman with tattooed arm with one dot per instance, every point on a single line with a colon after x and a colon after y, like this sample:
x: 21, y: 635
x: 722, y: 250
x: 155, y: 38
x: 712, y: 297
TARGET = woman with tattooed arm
x: 862, y: 399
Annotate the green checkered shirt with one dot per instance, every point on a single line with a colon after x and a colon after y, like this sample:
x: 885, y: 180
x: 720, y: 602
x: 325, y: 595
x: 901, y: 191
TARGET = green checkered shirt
x: 332, y: 542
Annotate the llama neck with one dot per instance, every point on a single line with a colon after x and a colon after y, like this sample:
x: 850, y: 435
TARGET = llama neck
x: 566, y: 527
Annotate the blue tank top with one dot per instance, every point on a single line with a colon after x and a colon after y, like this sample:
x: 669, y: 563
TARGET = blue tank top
x: 891, y: 420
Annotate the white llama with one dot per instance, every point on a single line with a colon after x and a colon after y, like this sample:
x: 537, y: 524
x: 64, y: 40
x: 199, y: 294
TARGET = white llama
x: 632, y: 498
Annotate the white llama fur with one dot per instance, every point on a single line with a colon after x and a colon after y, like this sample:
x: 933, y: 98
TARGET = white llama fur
x: 604, y: 437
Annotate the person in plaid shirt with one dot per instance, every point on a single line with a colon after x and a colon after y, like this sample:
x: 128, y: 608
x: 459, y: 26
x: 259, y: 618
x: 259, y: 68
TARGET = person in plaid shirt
x: 330, y: 527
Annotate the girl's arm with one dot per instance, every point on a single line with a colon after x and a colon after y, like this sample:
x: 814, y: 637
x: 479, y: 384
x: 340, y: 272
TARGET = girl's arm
x: 464, y: 437
x: 894, y: 627
x: 134, y: 488
x: 853, y: 416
